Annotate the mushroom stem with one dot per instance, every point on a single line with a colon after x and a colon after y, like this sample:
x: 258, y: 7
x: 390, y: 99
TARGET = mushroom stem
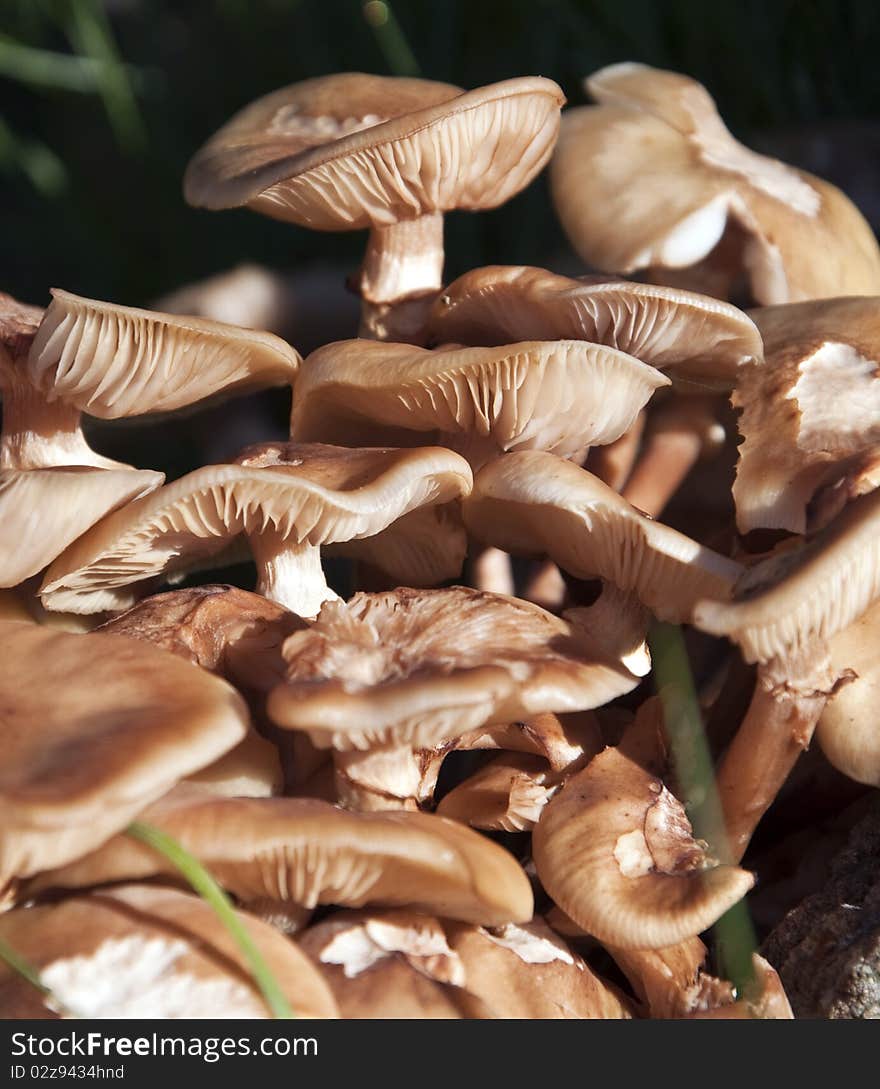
x: 402, y: 272
x: 290, y: 573
x: 490, y: 569
x: 777, y: 728
x: 390, y: 777
x: 613, y: 463
x: 38, y: 434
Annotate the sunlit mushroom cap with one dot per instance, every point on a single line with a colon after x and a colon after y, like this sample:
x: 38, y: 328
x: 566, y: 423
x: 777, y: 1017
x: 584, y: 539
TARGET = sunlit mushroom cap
x: 651, y: 177
x: 352, y: 150
x: 142, y: 952
x: 111, y: 361
x: 788, y: 602
x: 305, y: 495
x: 420, y: 667
x: 507, y: 794
x: 42, y: 511
x: 547, y: 395
x: 94, y: 728
x: 615, y: 850
x: 532, y: 503
x: 693, y: 337
x: 810, y: 413
x: 309, y: 852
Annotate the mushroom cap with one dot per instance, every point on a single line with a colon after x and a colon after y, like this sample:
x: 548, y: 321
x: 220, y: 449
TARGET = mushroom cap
x: 310, y: 852
x: 652, y: 177
x: 507, y: 794
x: 305, y: 494
x: 809, y: 412
x: 94, y: 728
x: 532, y: 503
x: 18, y: 326
x: 112, y: 361
x: 615, y: 850
x: 550, y: 395
x: 349, y: 151
x: 422, y: 667
x: 695, y: 338
x: 42, y: 511
x: 144, y: 952
x: 785, y: 604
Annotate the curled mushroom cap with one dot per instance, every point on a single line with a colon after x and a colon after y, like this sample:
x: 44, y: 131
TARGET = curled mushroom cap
x: 42, y: 511
x: 507, y: 794
x: 616, y: 851
x: 695, y: 338
x: 142, y: 952
x: 95, y: 727
x: 550, y: 395
x: 420, y: 667
x: 532, y: 503
x: 787, y: 603
x: 809, y: 412
x: 308, y: 852
x: 288, y: 500
x: 651, y: 178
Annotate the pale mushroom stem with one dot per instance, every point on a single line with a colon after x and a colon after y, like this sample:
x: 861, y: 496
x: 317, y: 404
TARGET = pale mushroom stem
x: 40, y: 434
x: 667, y: 458
x: 402, y: 272
x: 613, y: 463
x: 490, y: 569
x: 290, y: 573
x: 777, y: 728
x: 380, y: 779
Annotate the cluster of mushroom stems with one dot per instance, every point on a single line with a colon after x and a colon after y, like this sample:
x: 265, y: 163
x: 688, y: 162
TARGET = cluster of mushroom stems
x: 454, y: 793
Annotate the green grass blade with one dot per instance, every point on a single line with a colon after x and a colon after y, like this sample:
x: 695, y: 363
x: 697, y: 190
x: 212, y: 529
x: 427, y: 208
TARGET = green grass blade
x: 205, y: 885
x: 390, y: 38
x: 27, y: 972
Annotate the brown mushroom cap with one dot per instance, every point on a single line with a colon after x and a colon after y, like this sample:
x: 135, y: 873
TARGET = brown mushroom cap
x: 809, y: 411
x: 288, y: 499
x: 651, y: 177
x: 144, y: 952
x: 42, y: 511
x: 95, y: 727
x: 695, y: 338
x: 532, y: 503
x: 507, y: 794
x: 309, y: 852
x: 616, y: 852
x: 348, y: 151
x: 550, y: 395
x: 421, y: 667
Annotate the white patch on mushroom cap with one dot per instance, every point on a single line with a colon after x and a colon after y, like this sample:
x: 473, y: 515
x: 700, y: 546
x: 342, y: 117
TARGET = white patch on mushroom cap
x: 531, y: 947
x: 421, y: 941
x: 836, y: 384
x: 632, y: 855
x: 134, y: 977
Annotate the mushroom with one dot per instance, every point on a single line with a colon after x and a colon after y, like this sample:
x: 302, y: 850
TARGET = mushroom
x: 288, y: 500
x: 699, y: 341
x: 353, y: 151
x: 531, y: 503
x: 307, y: 852
x: 94, y: 728
x: 507, y: 794
x: 650, y: 178
x: 113, y: 361
x: 144, y: 952
x: 809, y: 414
x: 550, y: 395
x: 615, y: 850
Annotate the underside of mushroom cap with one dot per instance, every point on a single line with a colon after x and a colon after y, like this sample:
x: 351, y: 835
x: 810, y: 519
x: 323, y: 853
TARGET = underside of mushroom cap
x: 534, y: 503
x: 112, y: 361
x: 421, y: 667
x: 693, y: 337
x: 309, y: 852
x: 351, y: 151
x: 809, y: 411
x: 549, y: 395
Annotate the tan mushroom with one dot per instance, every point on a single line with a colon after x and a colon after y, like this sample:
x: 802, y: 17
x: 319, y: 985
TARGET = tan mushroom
x: 506, y: 795
x: 143, y: 952
x: 532, y: 503
x: 546, y: 395
x: 94, y: 728
x: 288, y: 500
x: 650, y: 178
x: 697, y: 340
x: 809, y: 414
x: 354, y: 151
x: 615, y: 850
x: 307, y: 852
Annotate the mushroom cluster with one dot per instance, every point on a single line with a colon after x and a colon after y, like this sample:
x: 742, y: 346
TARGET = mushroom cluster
x: 442, y: 778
